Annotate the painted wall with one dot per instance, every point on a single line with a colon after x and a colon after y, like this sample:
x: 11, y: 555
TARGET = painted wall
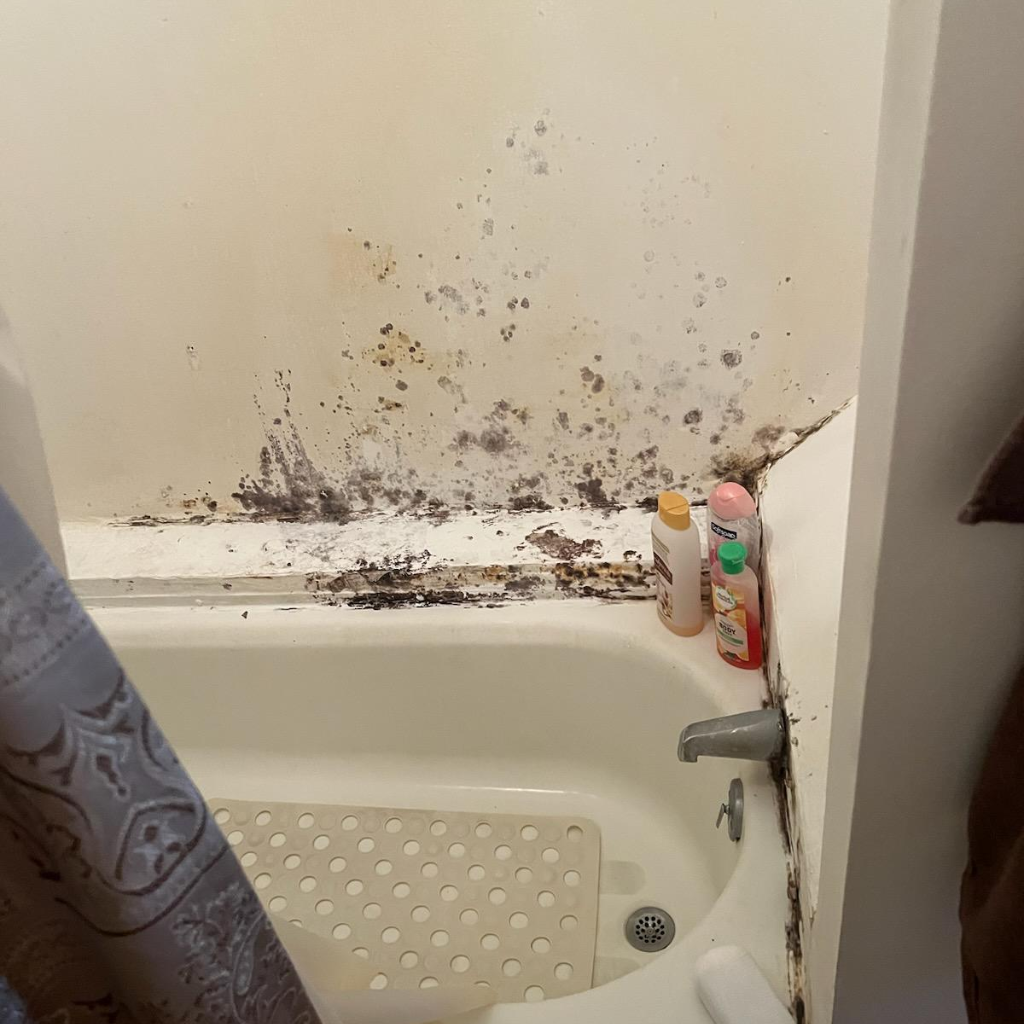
x: 321, y: 256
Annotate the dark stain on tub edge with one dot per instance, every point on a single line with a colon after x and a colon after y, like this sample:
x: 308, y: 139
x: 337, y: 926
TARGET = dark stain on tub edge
x: 407, y: 585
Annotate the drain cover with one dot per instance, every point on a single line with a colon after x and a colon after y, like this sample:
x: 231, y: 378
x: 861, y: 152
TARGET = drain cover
x: 650, y: 929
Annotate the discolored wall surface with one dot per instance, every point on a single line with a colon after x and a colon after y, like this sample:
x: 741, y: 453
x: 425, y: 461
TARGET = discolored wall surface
x: 315, y: 258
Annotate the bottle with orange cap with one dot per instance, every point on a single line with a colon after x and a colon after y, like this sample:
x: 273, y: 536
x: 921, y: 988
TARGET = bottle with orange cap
x: 676, y: 543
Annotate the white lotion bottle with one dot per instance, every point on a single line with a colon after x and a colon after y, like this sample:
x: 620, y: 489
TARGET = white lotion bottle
x: 676, y: 543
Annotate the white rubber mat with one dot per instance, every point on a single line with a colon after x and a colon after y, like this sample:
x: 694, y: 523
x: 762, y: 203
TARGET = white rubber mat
x: 431, y: 898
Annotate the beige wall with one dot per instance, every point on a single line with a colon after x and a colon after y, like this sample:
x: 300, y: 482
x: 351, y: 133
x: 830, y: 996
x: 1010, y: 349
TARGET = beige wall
x: 211, y: 211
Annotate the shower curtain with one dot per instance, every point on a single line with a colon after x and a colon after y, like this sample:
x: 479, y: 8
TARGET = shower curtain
x: 120, y: 901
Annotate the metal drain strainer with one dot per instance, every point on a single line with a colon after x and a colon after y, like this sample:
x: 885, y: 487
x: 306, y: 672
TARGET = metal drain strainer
x: 650, y: 929
x: 431, y: 898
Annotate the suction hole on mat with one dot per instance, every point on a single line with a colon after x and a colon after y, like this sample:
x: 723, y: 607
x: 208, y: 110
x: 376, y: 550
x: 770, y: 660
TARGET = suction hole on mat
x: 262, y: 818
x: 563, y: 972
x: 490, y: 941
x: 429, y: 870
x: 429, y: 983
x: 534, y: 994
x: 234, y: 838
x: 420, y: 914
x: 438, y: 828
x: 411, y: 848
x: 321, y: 842
x: 529, y: 832
x: 379, y: 981
x: 372, y: 911
x: 469, y: 916
x: 524, y: 875
x: 541, y: 945
x: 483, y: 830
x: 277, y: 839
x: 409, y: 959
x: 341, y: 931
x: 401, y: 889
x: 292, y: 861
x: 497, y: 896
x: 546, y: 898
x: 569, y: 923
x: 511, y: 968
x: 476, y: 873
x: 366, y: 845
x: 222, y: 814
x: 390, y: 936
x: 338, y: 864
x: 350, y: 823
x: 383, y: 867
x: 503, y: 852
x: 519, y: 920
x: 393, y: 825
x: 324, y: 907
x: 306, y: 820
x: 449, y: 893
x: 460, y: 964
x: 574, y: 833
x: 572, y: 878
x: 307, y: 884
x: 261, y: 881
x: 439, y: 938
x: 456, y: 850
x: 550, y: 855
x: 362, y: 952
x: 277, y: 904
x: 247, y: 859
x: 354, y: 887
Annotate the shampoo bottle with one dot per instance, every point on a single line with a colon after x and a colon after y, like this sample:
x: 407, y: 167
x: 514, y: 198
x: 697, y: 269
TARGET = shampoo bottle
x: 677, y: 565
x: 732, y: 515
x: 735, y: 598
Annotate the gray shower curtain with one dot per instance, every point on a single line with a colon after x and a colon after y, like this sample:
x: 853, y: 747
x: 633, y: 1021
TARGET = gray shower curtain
x: 120, y: 900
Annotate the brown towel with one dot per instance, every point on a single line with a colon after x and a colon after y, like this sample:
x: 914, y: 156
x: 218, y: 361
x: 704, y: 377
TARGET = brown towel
x: 992, y: 892
x: 999, y: 496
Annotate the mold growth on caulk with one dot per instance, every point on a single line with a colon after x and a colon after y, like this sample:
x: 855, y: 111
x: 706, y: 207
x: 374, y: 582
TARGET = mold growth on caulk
x: 557, y: 545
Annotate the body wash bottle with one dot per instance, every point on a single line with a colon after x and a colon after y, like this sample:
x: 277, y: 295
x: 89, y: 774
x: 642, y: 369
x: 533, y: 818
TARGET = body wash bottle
x: 732, y: 515
x: 735, y: 597
x: 677, y: 565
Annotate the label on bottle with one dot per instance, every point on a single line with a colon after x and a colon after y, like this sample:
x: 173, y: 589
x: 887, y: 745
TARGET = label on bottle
x: 724, y: 532
x: 730, y: 622
x: 662, y: 577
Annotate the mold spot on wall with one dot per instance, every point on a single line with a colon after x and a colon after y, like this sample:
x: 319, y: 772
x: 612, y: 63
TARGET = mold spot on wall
x: 731, y: 357
x: 591, y: 487
x: 559, y: 546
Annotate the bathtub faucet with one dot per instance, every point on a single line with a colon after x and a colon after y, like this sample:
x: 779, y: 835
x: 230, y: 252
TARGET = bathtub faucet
x: 752, y: 736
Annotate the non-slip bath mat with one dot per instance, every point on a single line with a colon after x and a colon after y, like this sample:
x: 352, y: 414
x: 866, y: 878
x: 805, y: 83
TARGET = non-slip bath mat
x: 431, y: 898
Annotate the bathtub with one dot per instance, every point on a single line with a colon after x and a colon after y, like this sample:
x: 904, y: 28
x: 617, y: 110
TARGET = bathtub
x: 569, y: 708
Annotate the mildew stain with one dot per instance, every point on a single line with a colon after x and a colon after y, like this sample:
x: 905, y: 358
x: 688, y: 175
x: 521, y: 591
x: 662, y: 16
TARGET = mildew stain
x: 559, y: 546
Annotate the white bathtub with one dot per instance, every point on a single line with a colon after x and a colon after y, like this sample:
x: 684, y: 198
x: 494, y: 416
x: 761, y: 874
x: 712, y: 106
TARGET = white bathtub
x: 554, y: 707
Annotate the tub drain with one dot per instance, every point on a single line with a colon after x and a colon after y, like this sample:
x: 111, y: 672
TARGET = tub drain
x: 650, y: 929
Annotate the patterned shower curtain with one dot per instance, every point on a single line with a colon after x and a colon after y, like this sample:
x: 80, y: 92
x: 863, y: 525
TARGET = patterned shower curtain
x: 120, y: 901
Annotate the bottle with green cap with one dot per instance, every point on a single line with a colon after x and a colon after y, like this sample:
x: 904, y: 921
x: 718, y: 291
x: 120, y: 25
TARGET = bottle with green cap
x: 736, y: 601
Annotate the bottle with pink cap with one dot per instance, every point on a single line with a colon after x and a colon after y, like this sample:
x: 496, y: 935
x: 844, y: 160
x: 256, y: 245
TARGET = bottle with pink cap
x: 732, y: 516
